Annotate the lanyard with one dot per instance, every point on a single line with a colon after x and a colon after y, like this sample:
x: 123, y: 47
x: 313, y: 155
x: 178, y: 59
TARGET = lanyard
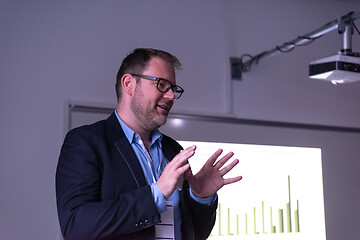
x: 165, y: 229
x: 155, y: 174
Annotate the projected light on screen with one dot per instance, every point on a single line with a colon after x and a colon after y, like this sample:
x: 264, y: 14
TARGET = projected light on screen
x: 279, y: 197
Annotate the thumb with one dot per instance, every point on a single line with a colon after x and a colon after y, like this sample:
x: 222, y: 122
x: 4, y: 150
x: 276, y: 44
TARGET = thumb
x: 188, y: 174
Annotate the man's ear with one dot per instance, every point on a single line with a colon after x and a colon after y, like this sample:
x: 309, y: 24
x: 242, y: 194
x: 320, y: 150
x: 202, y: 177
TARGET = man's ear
x: 128, y: 83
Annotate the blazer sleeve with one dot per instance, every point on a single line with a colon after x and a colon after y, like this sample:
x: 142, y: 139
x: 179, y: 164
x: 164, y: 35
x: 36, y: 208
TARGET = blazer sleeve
x: 203, y: 215
x: 83, y: 213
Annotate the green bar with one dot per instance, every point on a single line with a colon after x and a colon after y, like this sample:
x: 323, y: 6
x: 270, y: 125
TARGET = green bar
x: 255, y: 232
x: 272, y: 227
x: 229, y: 233
x: 263, y: 218
x: 254, y: 221
x: 288, y: 217
x: 297, y: 220
x: 288, y: 209
x: 246, y: 224
x: 281, y: 221
x: 237, y: 224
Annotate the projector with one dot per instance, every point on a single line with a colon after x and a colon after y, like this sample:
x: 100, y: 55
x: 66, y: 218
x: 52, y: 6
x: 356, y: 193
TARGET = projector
x: 337, y: 69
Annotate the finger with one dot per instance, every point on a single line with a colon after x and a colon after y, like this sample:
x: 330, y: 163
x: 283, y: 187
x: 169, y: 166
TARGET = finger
x: 223, y: 160
x: 232, y: 180
x: 212, y: 159
x: 182, y: 157
x: 187, y: 150
x: 228, y: 167
x: 183, y: 169
x: 193, y: 147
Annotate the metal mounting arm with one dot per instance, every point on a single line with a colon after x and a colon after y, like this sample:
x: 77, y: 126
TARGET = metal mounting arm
x: 344, y: 25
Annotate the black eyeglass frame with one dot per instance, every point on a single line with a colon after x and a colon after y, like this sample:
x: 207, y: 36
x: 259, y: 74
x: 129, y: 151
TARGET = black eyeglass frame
x: 175, y: 88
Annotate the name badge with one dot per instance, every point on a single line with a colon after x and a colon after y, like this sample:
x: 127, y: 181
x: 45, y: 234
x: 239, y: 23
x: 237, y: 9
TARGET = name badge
x: 165, y: 229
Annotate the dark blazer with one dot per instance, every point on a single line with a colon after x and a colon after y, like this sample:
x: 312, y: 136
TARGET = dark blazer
x: 102, y: 193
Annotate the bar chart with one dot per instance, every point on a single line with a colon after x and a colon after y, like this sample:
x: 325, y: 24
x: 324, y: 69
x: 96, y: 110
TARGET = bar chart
x: 279, y: 197
x: 231, y: 217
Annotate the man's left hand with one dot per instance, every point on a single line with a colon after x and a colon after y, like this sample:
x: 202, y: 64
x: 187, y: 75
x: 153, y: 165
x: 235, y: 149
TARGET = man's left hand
x: 210, y: 177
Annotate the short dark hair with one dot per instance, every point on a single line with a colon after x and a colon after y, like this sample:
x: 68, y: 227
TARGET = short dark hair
x: 138, y: 60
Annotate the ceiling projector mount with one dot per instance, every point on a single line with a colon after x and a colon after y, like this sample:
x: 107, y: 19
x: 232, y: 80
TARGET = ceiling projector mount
x: 343, y: 67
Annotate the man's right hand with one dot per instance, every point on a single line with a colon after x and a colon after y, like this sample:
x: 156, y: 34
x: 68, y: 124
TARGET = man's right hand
x: 173, y: 170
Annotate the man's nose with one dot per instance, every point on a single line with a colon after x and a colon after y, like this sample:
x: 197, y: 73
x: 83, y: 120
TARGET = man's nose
x: 169, y: 94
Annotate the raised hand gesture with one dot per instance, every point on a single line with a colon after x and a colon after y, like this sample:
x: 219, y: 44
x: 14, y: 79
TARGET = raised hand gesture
x: 210, y: 177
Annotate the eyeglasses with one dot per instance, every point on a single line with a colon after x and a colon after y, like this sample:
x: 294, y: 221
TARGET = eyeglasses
x: 163, y: 85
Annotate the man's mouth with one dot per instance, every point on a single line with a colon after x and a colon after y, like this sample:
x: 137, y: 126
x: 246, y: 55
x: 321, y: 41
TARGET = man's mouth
x: 165, y: 107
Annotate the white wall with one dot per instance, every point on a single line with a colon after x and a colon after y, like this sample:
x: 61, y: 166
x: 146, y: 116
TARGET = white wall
x: 51, y: 51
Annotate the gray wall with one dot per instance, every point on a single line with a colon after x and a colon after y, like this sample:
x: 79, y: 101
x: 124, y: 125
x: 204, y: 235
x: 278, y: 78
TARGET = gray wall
x: 52, y: 51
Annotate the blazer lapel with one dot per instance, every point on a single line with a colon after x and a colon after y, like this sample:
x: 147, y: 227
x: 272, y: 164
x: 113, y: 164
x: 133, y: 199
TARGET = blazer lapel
x: 128, y: 155
x: 126, y: 151
x: 167, y: 150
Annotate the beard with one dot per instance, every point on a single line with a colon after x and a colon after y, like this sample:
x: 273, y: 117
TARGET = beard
x: 148, y: 115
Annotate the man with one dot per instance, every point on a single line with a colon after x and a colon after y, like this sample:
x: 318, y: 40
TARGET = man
x: 118, y: 178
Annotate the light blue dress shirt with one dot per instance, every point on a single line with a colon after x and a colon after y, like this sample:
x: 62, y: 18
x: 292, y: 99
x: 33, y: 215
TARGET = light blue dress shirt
x: 152, y: 167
